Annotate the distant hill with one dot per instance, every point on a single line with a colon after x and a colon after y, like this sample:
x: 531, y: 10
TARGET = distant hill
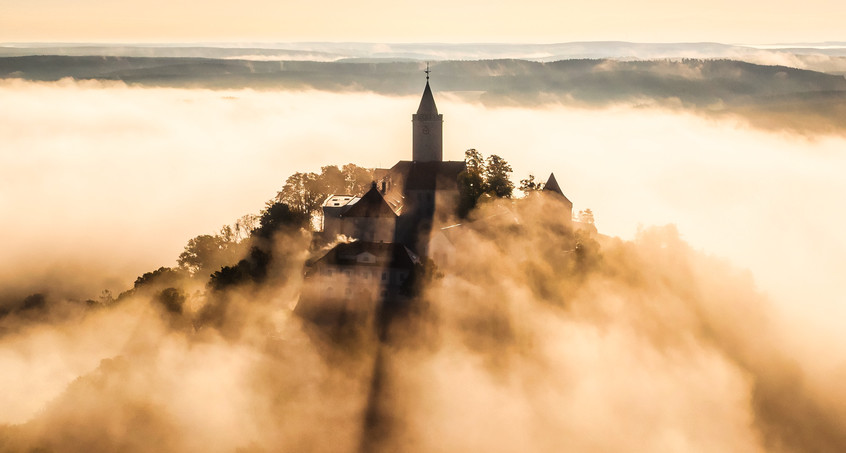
x: 332, y: 51
x: 712, y: 86
x: 695, y: 82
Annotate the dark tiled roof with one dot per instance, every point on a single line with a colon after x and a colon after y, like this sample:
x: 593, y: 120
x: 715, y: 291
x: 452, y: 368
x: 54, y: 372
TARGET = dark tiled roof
x: 371, y: 204
x: 429, y: 175
x: 388, y: 254
x: 552, y: 186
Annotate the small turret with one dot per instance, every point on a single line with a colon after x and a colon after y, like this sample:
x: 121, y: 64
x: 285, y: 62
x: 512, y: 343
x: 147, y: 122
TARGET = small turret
x: 552, y: 186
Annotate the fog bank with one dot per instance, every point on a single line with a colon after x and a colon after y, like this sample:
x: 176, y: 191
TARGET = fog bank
x: 104, y: 182
x: 541, y: 348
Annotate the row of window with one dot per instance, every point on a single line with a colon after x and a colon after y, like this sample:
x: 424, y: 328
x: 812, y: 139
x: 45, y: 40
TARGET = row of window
x: 348, y: 293
x: 367, y: 274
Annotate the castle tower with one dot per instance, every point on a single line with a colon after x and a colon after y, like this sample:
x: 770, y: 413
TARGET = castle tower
x: 427, y: 126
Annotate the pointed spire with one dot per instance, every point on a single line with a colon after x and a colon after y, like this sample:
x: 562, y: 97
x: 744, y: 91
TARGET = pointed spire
x: 552, y: 185
x: 427, y: 103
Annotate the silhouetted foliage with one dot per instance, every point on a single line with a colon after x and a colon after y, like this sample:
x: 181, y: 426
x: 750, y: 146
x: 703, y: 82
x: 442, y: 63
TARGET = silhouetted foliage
x: 106, y: 298
x: 586, y: 216
x: 278, y: 216
x: 163, y: 276
x: 34, y: 302
x: 482, y: 176
x: 529, y: 185
x: 357, y: 179
x: 471, y: 182
x: 252, y: 269
x: 332, y: 180
x: 496, y: 177
x: 206, y: 252
x: 587, y: 252
x: 302, y: 193
x: 244, y: 226
x: 305, y: 192
x: 172, y: 299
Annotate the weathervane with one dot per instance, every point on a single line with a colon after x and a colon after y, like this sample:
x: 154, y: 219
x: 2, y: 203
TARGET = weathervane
x: 427, y: 71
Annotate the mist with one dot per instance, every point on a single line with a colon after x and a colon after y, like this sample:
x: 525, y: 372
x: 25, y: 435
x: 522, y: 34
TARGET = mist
x: 767, y: 96
x: 727, y: 318
x: 104, y: 182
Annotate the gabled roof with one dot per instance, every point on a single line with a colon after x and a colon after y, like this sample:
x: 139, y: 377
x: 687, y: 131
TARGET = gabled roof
x: 553, y: 187
x: 388, y: 254
x: 371, y: 204
x: 429, y: 175
x: 427, y: 102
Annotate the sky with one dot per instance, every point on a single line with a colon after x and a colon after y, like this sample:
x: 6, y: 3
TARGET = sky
x: 542, y: 21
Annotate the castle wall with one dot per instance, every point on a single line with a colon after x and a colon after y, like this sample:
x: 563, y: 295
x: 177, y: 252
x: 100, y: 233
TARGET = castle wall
x: 332, y: 224
x: 370, y: 229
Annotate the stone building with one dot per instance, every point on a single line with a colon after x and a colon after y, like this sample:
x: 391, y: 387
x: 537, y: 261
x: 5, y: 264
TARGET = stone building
x: 368, y: 217
x: 410, y: 198
x: 391, y: 226
x: 352, y: 278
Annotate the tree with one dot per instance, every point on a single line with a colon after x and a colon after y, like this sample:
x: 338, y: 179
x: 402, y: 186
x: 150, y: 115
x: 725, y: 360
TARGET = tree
x: 163, y: 276
x: 331, y: 180
x: 305, y: 192
x: 529, y: 185
x: 474, y: 160
x: 253, y: 268
x: 357, y: 179
x: 586, y: 216
x: 496, y: 177
x: 173, y: 299
x: 244, y: 226
x: 587, y: 252
x: 471, y: 182
x: 227, y: 234
x: 278, y: 216
x: 482, y: 176
x: 302, y: 192
x: 206, y: 253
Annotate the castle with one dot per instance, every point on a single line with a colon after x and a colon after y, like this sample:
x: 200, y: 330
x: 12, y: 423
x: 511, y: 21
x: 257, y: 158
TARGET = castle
x: 394, y: 227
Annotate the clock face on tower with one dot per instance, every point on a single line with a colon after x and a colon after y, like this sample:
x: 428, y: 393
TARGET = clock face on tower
x: 426, y: 130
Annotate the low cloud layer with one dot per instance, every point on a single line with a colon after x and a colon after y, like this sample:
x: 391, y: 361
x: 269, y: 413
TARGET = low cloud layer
x: 781, y: 93
x: 621, y: 344
x: 720, y: 333
x: 105, y: 182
